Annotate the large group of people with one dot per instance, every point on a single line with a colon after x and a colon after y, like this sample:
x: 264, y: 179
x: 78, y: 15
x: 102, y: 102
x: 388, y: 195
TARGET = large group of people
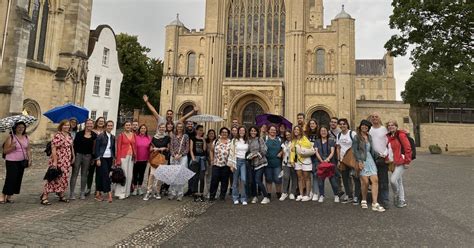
x: 255, y: 164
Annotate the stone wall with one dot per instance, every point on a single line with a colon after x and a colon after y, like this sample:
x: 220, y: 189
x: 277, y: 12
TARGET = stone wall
x: 458, y: 136
x: 388, y: 110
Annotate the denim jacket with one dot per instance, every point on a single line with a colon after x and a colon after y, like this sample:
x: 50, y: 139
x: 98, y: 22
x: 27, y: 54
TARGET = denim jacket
x: 359, y: 148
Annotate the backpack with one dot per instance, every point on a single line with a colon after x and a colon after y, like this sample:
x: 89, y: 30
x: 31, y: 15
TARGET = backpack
x: 412, y: 146
x: 350, y: 135
x: 48, y: 150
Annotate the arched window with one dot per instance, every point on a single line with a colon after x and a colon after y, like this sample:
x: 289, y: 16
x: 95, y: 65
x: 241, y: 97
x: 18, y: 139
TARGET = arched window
x: 362, y: 84
x: 187, y: 109
x: 320, y: 54
x: 380, y: 84
x: 39, y: 13
x: 255, y: 39
x: 192, y: 64
x: 362, y: 97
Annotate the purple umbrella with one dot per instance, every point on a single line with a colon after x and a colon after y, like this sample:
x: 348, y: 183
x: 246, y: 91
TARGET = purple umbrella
x: 269, y: 119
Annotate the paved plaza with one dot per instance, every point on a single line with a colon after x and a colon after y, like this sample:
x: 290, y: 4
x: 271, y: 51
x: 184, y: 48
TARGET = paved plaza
x: 439, y: 214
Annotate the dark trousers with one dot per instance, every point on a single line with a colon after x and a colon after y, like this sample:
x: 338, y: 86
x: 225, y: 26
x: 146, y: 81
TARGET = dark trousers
x: 219, y: 175
x: 251, y: 187
x: 13, y: 178
x: 138, y: 172
x: 102, y: 179
x: 382, y: 174
x: 197, y: 181
x: 90, y: 176
x: 347, y: 179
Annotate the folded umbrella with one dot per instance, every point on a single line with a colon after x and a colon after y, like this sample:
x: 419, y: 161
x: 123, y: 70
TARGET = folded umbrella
x: 269, y: 119
x: 173, y: 174
x: 67, y: 112
x: 205, y: 118
x: 326, y: 170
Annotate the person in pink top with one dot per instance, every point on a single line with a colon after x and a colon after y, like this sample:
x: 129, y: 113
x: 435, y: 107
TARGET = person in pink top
x: 142, y: 144
x: 17, y: 157
x: 126, y: 154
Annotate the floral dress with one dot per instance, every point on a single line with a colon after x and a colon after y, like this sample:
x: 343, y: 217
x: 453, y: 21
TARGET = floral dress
x: 63, y: 146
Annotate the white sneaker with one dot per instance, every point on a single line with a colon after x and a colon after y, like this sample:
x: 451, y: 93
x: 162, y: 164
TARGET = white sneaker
x: 135, y: 192
x: 244, y: 203
x: 363, y: 204
x: 336, y: 199
x: 315, y: 197
x: 299, y: 198
x: 292, y: 196
x: 254, y: 200
x: 377, y: 207
x: 305, y: 198
x: 236, y: 202
x: 283, y: 196
x: 157, y: 196
x: 311, y: 194
x: 121, y: 197
x: 321, y: 199
x: 147, y: 196
x: 140, y: 191
x: 265, y: 200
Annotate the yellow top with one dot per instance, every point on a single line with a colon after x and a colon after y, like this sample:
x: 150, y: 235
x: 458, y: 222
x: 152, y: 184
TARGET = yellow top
x: 303, y: 142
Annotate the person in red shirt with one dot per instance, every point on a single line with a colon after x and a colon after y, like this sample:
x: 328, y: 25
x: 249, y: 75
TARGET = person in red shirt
x: 126, y: 154
x: 398, y: 141
x: 142, y: 147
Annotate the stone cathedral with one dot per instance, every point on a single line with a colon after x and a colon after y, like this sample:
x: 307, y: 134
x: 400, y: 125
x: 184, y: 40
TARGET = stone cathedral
x: 271, y: 56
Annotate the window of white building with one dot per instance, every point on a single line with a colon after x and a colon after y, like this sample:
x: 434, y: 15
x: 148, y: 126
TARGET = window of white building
x: 105, y: 56
x: 105, y: 114
x: 93, y: 114
x: 108, y: 84
x: 96, y: 88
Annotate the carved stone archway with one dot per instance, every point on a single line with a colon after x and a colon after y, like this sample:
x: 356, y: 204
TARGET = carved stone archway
x: 247, y: 107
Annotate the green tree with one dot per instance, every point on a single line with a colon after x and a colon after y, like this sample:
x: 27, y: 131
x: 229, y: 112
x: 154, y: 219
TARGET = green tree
x: 439, y: 32
x: 141, y: 74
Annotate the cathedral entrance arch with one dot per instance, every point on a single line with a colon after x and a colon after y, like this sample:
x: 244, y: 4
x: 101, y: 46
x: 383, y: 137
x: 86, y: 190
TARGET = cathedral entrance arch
x: 247, y: 107
x: 322, y: 117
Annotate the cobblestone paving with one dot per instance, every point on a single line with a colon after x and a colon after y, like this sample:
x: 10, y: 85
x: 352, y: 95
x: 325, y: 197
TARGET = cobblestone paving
x: 167, y: 227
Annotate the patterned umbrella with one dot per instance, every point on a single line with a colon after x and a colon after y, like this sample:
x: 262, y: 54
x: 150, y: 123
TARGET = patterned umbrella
x: 7, y: 123
x: 173, y: 174
x: 205, y: 118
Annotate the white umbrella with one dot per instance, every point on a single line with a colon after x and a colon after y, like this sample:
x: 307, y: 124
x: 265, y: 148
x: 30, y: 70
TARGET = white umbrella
x: 7, y: 123
x: 173, y: 174
x: 205, y: 118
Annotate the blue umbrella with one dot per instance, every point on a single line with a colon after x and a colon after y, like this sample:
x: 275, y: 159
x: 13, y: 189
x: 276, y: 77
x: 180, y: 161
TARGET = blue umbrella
x: 67, y: 112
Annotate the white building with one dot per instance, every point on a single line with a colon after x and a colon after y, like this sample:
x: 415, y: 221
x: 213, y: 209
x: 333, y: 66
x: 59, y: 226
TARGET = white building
x: 104, y: 77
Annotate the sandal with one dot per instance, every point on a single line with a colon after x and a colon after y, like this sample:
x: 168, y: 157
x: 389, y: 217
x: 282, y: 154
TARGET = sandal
x: 363, y: 204
x: 63, y: 199
x: 98, y: 198
x: 9, y: 201
x: 45, y: 202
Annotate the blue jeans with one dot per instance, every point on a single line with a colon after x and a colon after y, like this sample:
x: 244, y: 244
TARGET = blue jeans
x: 271, y: 175
x: 259, y: 181
x: 333, y: 182
x: 315, y: 183
x: 240, y: 173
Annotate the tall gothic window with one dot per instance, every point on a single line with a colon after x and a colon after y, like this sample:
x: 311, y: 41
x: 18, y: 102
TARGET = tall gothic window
x: 320, y: 54
x: 192, y: 64
x: 39, y: 13
x: 255, y: 39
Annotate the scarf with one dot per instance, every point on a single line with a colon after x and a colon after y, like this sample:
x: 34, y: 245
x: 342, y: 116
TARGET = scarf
x: 159, y: 135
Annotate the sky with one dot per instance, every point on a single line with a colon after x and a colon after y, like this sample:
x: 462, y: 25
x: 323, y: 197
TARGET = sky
x: 147, y: 19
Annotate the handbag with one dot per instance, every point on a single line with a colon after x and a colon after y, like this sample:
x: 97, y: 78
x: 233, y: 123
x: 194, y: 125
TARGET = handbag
x: 118, y: 176
x: 325, y: 170
x: 156, y: 159
x: 349, y: 159
x: 52, y: 174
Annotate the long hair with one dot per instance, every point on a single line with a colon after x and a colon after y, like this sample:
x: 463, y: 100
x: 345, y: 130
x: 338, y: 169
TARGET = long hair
x: 293, y: 137
x: 309, y: 131
x: 245, y: 134
x: 16, y: 125
x: 256, y: 129
x: 207, y: 135
x: 143, y: 125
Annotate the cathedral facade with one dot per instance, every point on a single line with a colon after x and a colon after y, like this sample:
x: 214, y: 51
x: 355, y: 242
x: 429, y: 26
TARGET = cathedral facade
x: 270, y: 56
x: 43, y: 58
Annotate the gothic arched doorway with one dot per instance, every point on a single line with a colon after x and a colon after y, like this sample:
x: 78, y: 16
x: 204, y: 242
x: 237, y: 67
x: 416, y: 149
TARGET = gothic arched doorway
x: 322, y: 117
x: 250, y: 112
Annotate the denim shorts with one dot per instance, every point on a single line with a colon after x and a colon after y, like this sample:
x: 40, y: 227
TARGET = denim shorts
x: 271, y: 175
